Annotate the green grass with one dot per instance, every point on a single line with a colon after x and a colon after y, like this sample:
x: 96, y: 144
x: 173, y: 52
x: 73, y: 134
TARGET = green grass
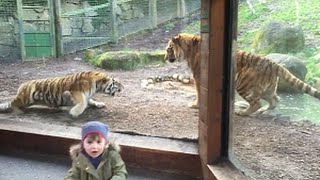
x: 126, y: 60
x: 313, y: 71
x: 192, y: 28
x: 169, y: 26
x: 284, y: 10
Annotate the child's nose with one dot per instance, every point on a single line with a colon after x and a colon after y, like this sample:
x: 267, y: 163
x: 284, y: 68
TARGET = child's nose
x: 94, y: 145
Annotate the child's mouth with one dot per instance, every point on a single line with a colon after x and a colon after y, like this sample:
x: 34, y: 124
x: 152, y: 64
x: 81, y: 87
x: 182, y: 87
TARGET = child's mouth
x: 94, y: 152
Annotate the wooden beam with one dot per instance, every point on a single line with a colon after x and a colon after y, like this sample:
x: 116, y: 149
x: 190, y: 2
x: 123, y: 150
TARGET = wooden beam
x: 212, y: 66
x: 212, y: 58
x: 218, y: 32
x: 161, y: 154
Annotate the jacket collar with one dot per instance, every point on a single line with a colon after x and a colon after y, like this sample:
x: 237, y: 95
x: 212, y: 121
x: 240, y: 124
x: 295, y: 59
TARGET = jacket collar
x: 75, y: 150
x: 84, y: 163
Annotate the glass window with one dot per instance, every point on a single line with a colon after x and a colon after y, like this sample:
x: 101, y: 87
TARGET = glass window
x: 281, y: 142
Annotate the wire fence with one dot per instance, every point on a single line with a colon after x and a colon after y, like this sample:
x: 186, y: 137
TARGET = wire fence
x: 74, y: 25
x: 9, y: 33
x: 96, y: 22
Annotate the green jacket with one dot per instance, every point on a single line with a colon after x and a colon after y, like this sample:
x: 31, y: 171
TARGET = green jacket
x: 111, y: 166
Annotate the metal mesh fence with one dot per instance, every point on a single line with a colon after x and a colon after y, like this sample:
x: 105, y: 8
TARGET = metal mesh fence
x: 35, y: 16
x: 192, y: 6
x: 85, y: 24
x: 82, y: 23
x: 89, y: 23
x: 167, y: 10
x: 133, y: 16
x: 9, y: 33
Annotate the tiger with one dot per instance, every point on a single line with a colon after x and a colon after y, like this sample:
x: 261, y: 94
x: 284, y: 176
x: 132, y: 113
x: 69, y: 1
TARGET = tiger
x: 74, y: 90
x: 183, y: 78
x: 256, y: 77
x: 186, y: 46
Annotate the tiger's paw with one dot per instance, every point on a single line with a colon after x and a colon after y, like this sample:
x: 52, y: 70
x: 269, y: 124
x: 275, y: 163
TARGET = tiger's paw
x: 100, y: 104
x: 75, y: 112
x: 193, y: 105
x: 241, y: 113
x: 96, y: 103
x: 17, y: 111
x: 74, y: 115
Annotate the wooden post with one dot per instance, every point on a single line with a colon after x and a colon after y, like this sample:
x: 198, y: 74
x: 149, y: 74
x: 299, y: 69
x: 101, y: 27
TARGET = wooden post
x: 232, y: 71
x: 211, y: 81
x: 21, y: 31
x: 51, y: 9
x: 114, y: 22
x: 58, y: 28
x: 218, y: 33
x: 181, y: 11
x: 153, y: 13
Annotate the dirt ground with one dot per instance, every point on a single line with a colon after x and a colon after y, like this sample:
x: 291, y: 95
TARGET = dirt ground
x: 265, y: 146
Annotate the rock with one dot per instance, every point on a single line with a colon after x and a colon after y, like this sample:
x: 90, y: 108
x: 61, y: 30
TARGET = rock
x: 294, y: 65
x: 77, y: 59
x: 89, y: 54
x: 126, y: 60
x: 317, y: 58
x: 279, y: 37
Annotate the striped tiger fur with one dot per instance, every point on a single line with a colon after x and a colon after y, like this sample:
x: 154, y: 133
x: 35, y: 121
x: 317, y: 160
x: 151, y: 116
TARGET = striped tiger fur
x: 186, y: 47
x: 71, y: 90
x: 256, y: 77
x: 183, y: 78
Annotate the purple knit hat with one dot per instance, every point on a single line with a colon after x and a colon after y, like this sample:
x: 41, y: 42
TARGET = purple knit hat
x: 94, y: 127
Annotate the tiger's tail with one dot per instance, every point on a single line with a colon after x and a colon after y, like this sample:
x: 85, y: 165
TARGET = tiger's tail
x: 297, y: 83
x: 5, y: 107
x: 185, y: 79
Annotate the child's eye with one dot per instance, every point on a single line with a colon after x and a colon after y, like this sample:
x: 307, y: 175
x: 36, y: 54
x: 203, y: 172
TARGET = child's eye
x: 89, y: 142
x: 98, y: 141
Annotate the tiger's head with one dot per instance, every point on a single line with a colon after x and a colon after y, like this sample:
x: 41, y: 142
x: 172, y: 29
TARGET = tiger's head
x: 179, y: 45
x: 107, y: 84
x: 113, y: 86
x: 170, y: 50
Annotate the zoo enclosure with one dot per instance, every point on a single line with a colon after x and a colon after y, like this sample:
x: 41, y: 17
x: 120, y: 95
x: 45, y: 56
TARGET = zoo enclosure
x: 31, y: 29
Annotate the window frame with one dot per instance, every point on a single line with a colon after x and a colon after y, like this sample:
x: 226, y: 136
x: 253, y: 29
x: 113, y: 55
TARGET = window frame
x: 218, y: 33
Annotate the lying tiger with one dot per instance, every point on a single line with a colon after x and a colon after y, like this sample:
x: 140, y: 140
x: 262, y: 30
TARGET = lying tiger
x: 256, y: 77
x: 72, y: 90
x: 183, y: 78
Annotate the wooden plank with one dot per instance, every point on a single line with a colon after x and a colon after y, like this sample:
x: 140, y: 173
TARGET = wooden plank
x: 213, y: 64
x: 226, y: 171
x: 21, y: 30
x: 233, y: 38
x: 214, y: 124
x: 57, y: 29
x: 114, y: 22
x: 215, y: 80
x: 140, y: 151
x: 52, y: 28
x: 153, y: 13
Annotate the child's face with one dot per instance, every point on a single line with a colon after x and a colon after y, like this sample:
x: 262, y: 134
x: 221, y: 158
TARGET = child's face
x: 94, y: 145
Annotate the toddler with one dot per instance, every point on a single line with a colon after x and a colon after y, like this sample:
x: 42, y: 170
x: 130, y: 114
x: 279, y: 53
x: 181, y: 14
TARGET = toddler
x: 95, y: 158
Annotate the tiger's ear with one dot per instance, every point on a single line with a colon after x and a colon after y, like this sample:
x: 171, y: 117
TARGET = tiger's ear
x: 195, y: 40
x: 176, y: 38
x: 104, y: 80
